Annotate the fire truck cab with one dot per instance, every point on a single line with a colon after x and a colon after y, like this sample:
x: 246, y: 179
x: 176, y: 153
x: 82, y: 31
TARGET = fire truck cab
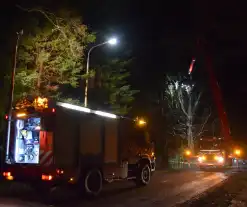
x: 211, y: 153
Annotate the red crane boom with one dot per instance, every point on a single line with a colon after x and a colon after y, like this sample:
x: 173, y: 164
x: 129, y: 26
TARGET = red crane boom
x: 217, y: 95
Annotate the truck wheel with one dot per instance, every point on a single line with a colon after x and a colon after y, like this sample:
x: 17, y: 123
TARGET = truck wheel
x: 143, y: 176
x: 93, y: 182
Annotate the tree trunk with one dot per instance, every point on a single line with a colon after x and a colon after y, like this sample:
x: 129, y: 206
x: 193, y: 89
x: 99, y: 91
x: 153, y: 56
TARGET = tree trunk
x: 41, y: 67
x: 189, y: 125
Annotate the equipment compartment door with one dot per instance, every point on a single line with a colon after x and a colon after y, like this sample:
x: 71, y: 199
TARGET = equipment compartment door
x: 91, y: 136
x: 27, y: 140
x: 111, y: 141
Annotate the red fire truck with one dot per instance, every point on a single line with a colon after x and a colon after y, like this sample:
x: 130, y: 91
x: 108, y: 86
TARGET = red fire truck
x: 56, y: 143
x: 212, y: 153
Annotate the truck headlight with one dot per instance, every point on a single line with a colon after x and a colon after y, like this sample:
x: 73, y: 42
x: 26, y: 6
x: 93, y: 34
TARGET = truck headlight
x: 219, y: 158
x: 201, y: 158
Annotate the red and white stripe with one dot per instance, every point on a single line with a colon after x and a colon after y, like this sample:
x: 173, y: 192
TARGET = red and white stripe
x: 45, y: 158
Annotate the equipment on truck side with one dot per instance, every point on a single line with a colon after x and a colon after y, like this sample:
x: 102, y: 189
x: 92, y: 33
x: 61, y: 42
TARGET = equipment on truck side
x: 54, y: 143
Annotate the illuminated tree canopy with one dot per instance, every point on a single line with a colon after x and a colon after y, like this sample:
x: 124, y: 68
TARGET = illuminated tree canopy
x: 51, y: 55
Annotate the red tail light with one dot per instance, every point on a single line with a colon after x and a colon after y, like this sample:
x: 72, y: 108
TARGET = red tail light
x: 47, y: 177
x: 6, y: 117
x: 6, y: 174
x: 59, y: 171
x: 53, y: 110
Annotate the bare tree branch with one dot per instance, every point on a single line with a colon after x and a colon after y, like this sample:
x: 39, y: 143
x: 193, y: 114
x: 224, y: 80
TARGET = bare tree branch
x: 196, y: 103
x: 181, y: 101
x: 203, y: 125
x: 38, y: 10
x: 55, y: 23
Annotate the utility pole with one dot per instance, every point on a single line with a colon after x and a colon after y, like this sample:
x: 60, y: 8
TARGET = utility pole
x: 11, y: 95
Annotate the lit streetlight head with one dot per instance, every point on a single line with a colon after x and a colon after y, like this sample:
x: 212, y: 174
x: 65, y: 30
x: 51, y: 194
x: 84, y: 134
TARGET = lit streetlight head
x: 112, y: 41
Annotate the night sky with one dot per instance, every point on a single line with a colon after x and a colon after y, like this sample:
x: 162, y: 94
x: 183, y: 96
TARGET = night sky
x: 162, y: 38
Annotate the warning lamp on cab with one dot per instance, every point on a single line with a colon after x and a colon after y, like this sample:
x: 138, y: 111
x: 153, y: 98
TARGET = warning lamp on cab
x: 141, y: 122
x: 41, y: 103
x: 187, y: 152
x: 21, y: 114
x: 237, y: 152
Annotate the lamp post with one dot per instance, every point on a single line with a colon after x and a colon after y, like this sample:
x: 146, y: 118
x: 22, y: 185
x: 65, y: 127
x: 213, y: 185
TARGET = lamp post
x: 11, y: 95
x: 112, y: 41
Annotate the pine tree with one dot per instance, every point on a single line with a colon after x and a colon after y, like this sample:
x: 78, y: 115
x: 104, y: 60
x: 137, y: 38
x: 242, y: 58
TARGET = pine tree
x: 115, y: 92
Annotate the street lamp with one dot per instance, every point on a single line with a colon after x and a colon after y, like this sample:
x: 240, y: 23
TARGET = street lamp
x: 112, y: 41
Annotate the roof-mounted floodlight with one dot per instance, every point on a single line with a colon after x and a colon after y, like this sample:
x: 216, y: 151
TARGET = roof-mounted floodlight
x: 87, y: 110
x: 105, y: 114
x: 74, y: 107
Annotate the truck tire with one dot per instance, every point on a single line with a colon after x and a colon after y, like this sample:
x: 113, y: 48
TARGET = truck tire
x: 92, y: 183
x: 143, y: 175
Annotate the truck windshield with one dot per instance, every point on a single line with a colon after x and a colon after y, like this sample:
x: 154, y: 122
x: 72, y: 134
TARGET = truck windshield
x: 26, y: 140
x: 210, y: 144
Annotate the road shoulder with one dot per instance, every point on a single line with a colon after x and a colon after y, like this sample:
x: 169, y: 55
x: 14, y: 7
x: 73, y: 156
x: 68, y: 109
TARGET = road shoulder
x: 232, y: 192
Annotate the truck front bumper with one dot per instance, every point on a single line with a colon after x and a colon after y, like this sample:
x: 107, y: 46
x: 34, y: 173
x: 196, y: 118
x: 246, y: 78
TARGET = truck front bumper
x: 211, y: 164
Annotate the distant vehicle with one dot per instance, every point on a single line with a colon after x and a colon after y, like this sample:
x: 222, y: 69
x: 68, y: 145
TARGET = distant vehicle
x: 71, y: 144
x: 212, y: 153
x: 211, y: 158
